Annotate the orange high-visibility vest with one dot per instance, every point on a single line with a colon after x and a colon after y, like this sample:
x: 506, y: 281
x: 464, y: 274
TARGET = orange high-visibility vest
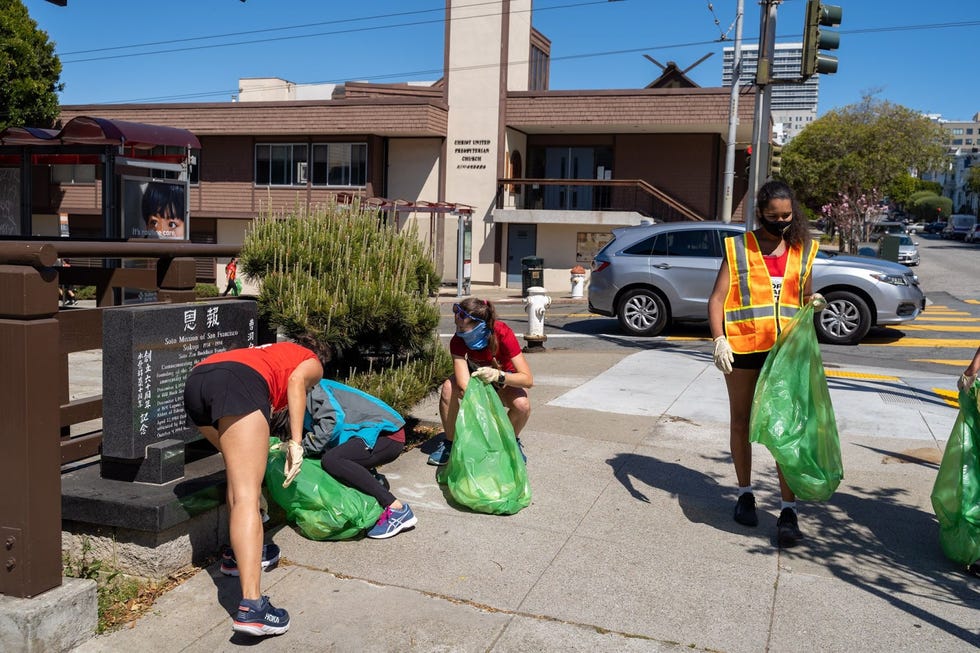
x: 751, y: 309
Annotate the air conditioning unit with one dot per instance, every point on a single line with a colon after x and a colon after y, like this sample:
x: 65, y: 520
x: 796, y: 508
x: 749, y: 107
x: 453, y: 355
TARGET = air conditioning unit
x: 301, y: 172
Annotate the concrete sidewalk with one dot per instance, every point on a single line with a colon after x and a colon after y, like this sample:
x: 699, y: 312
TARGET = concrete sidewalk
x: 629, y: 544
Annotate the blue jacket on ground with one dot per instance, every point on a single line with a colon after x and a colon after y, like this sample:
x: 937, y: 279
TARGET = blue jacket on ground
x: 336, y: 413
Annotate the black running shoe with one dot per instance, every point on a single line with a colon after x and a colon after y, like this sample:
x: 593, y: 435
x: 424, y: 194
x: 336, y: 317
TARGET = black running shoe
x: 787, y: 529
x: 974, y: 569
x: 745, y: 510
x: 381, y: 478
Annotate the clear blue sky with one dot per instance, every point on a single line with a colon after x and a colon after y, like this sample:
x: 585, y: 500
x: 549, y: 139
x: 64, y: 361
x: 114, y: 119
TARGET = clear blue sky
x: 918, y: 54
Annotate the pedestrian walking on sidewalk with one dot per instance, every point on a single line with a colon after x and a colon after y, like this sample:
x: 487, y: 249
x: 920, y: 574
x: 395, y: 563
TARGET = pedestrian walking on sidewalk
x: 230, y: 396
x: 489, y: 348
x: 765, y: 278
x: 231, y: 272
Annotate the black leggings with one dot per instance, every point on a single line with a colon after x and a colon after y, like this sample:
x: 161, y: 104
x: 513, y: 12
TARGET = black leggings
x: 349, y: 463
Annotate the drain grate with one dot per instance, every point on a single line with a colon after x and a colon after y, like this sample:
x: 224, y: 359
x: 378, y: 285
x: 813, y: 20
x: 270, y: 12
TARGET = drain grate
x: 909, y: 400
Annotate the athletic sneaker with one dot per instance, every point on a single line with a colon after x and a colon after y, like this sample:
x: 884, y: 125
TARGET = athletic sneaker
x: 974, y: 569
x: 745, y: 510
x: 259, y: 617
x: 270, y: 558
x: 787, y: 529
x: 440, y: 456
x: 393, y: 522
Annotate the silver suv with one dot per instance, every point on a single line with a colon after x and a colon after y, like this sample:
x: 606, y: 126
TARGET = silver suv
x: 649, y: 275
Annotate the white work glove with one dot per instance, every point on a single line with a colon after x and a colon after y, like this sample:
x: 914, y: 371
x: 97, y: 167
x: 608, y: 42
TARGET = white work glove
x: 723, y: 355
x: 294, y: 459
x: 818, y: 301
x: 488, y: 375
x: 965, y: 382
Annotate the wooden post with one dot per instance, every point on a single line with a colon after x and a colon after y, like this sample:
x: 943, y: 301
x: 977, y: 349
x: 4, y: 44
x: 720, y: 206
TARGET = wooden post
x: 30, y: 466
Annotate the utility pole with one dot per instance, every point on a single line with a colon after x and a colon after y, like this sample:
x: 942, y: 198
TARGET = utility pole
x: 729, y: 176
x: 763, y: 107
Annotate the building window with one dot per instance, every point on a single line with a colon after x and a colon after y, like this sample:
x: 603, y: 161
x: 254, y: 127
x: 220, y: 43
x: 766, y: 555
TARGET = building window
x: 339, y: 164
x: 957, y: 131
x: 538, y: 73
x: 282, y: 164
x: 73, y: 174
x: 172, y: 154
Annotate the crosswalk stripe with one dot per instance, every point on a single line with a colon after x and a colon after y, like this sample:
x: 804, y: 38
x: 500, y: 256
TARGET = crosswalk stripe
x: 929, y: 318
x: 939, y: 328
x: 925, y: 342
x: 955, y: 362
x: 951, y: 397
x: 844, y: 374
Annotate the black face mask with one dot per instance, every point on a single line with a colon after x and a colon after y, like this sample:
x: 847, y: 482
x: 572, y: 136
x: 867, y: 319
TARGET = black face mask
x: 775, y: 227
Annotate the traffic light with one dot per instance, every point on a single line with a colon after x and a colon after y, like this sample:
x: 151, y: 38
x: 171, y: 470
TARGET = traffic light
x: 816, y: 39
x: 775, y: 160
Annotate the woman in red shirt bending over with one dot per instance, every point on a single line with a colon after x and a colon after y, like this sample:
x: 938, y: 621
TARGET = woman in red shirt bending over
x: 490, y: 348
x: 230, y: 396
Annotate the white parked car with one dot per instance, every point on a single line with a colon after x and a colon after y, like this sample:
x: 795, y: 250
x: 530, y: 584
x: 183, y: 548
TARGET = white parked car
x: 973, y: 235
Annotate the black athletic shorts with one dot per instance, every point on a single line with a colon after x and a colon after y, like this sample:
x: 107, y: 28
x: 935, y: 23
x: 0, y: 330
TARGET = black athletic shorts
x: 216, y: 390
x: 753, y: 361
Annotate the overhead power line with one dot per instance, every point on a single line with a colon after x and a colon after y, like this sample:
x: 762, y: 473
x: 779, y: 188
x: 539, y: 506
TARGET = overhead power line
x: 352, y: 30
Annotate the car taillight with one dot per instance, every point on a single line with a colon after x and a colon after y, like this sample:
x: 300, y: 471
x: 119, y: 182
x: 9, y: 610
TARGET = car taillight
x: 599, y: 266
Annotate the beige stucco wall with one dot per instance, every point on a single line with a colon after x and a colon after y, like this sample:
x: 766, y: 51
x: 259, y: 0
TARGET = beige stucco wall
x: 413, y: 175
x: 473, y: 125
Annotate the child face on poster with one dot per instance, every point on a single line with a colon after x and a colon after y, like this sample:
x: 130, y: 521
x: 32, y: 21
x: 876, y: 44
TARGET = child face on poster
x: 163, y: 211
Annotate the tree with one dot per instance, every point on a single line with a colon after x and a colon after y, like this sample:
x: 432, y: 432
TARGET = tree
x: 29, y: 70
x: 842, y: 162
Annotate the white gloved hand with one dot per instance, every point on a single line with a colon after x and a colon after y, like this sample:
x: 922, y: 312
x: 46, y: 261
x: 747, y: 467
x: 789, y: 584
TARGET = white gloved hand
x: 486, y: 374
x: 965, y: 382
x: 818, y: 301
x: 294, y: 459
x: 723, y: 355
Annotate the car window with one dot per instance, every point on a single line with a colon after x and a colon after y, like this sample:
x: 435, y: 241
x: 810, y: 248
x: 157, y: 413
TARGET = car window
x: 693, y: 242
x: 648, y: 247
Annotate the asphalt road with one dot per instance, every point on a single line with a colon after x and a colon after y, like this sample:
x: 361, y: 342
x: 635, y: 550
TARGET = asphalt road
x: 941, y: 340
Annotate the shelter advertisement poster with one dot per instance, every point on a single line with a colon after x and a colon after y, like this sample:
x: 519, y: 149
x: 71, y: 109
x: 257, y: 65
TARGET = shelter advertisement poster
x: 588, y: 244
x: 154, y: 208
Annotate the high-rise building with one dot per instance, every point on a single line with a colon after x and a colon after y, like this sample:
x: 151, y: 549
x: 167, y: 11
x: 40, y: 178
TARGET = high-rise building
x: 794, y: 106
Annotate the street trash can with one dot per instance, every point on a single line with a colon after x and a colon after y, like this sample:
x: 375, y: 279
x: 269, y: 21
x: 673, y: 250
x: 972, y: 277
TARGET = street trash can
x: 888, y: 247
x: 532, y: 273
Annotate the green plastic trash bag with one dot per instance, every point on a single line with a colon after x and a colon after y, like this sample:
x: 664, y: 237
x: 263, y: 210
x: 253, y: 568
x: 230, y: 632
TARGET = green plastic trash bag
x: 956, y: 493
x: 322, y: 507
x: 792, y: 414
x: 486, y: 472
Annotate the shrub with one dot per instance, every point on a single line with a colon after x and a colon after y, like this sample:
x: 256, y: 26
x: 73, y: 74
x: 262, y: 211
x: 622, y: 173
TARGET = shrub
x: 347, y: 278
x: 205, y: 290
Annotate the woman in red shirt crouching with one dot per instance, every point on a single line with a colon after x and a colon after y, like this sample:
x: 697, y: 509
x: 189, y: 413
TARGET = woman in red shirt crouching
x: 490, y: 348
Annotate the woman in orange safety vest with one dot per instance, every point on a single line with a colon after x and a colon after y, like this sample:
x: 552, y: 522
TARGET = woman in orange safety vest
x: 763, y: 281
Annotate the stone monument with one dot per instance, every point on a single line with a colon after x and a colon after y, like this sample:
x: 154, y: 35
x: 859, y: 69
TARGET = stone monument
x: 148, y: 351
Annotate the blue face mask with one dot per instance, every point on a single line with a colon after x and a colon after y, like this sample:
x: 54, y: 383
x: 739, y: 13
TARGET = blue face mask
x: 477, y: 337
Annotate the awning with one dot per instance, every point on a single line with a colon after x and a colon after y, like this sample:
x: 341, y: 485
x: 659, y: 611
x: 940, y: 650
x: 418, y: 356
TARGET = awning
x: 85, y: 130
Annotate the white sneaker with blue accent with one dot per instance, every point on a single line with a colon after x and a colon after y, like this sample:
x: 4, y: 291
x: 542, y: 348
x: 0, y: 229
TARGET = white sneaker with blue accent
x: 393, y: 522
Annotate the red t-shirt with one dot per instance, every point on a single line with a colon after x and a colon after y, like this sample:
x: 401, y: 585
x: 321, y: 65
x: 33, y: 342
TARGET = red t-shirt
x: 507, y: 349
x: 273, y: 362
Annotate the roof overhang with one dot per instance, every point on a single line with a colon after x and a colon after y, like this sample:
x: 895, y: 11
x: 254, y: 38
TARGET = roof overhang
x: 664, y: 111
x: 592, y: 218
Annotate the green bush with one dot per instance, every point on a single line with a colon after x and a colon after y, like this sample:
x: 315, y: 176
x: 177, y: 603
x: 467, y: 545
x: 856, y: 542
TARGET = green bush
x: 348, y: 279
x: 932, y: 207
x: 84, y: 292
x: 205, y: 290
